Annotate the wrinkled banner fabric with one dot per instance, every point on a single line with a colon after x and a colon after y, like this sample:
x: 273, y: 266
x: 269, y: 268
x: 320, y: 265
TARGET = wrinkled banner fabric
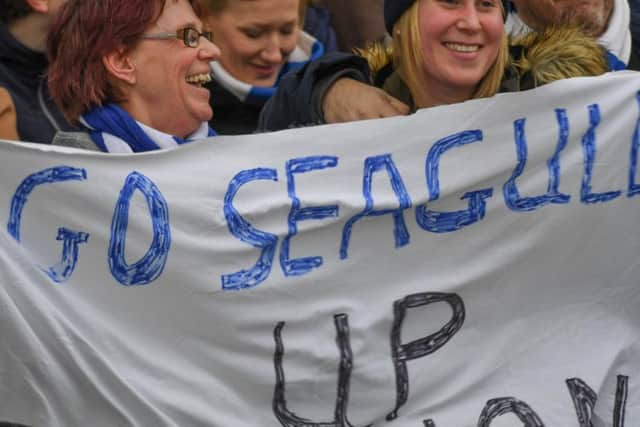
x: 469, y: 265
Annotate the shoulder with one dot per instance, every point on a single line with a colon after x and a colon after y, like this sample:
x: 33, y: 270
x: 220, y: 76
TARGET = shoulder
x: 8, y: 126
x: 80, y: 140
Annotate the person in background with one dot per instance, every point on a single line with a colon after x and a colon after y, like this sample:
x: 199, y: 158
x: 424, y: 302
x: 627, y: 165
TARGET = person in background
x: 7, y: 116
x: 260, y: 41
x: 316, y: 21
x: 24, y: 25
x: 437, y: 51
x: 136, y: 84
x: 606, y: 20
x: 357, y: 22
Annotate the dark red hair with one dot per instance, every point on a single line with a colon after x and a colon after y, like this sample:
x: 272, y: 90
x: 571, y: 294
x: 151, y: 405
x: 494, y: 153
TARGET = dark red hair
x: 85, y: 31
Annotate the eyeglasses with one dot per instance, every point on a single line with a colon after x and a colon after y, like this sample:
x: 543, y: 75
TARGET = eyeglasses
x: 189, y: 36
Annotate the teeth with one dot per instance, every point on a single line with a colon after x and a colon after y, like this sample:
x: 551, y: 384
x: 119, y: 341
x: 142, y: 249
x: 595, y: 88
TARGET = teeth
x: 462, y: 47
x: 199, y: 79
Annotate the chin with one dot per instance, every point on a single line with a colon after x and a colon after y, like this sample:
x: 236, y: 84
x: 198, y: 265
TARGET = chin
x: 259, y: 82
x: 203, y: 114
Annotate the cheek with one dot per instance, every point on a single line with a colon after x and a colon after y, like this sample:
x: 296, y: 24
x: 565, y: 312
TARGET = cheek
x: 244, y: 48
x: 494, y: 29
x: 289, y: 44
x: 429, y: 38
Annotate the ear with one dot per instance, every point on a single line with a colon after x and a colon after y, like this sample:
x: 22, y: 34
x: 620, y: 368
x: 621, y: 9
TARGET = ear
x: 119, y: 65
x: 41, y: 6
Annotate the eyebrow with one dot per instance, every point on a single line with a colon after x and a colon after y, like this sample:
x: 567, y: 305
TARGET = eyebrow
x: 266, y: 26
x: 192, y: 24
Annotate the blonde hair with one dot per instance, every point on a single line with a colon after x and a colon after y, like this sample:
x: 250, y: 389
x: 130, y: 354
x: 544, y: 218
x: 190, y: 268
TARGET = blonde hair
x: 302, y: 10
x: 406, y: 53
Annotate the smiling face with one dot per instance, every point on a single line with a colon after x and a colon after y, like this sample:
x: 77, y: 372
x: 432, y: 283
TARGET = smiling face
x: 256, y: 38
x: 164, y: 87
x: 592, y: 15
x: 460, y: 41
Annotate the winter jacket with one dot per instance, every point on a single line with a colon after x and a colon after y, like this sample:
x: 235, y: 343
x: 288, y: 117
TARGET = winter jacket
x: 635, y: 26
x: 236, y: 105
x: 537, y: 59
x: 22, y: 74
x: 297, y: 102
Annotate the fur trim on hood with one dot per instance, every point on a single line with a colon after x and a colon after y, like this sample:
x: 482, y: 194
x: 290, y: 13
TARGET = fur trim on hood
x: 555, y: 54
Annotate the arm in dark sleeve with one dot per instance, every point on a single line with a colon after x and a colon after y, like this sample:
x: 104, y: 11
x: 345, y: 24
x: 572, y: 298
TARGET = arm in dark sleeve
x: 298, y: 100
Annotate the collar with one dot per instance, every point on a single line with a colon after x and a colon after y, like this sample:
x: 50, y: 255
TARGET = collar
x: 116, y: 131
x: 23, y: 60
x: 617, y: 38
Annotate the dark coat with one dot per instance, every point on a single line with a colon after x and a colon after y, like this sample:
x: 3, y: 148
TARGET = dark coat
x: 231, y: 116
x: 297, y: 101
x: 23, y: 74
x: 634, y: 62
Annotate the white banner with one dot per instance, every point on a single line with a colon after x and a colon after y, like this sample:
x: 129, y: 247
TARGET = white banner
x: 468, y: 265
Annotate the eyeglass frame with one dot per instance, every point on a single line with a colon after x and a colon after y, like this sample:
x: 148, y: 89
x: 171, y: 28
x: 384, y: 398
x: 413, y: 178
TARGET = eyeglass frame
x: 181, y: 34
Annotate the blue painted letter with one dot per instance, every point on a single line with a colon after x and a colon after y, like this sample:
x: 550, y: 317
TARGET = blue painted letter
x: 150, y: 266
x: 70, y: 239
x: 299, y: 266
x: 240, y: 228
x: 400, y: 232
x: 589, y: 150
x: 510, y: 190
x: 443, y: 222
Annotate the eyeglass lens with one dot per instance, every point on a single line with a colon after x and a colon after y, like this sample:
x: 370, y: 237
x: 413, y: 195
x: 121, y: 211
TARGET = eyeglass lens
x: 191, y: 36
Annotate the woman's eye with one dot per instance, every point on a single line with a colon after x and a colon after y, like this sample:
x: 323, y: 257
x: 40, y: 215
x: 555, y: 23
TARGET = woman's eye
x: 487, y: 4
x: 193, y: 38
x: 252, y: 33
x: 288, y: 30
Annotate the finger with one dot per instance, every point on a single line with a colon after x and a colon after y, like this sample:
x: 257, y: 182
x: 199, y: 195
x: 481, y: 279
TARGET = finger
x: 400, y: 107
x: 391, y: 107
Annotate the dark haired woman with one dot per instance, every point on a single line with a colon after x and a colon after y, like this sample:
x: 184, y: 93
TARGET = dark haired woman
x: 137, y: 84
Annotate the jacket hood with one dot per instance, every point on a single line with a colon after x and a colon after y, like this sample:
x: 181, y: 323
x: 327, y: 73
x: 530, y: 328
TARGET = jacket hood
x: 555, y: 54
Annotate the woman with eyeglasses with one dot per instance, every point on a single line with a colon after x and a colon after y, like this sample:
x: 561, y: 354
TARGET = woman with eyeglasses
x: 261, y: 40
x: 131, y: 73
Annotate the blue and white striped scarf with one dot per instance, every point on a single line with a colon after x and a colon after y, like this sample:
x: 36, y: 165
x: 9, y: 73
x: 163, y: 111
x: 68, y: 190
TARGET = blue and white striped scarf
x: 114, y: 131
x: 308, y: 49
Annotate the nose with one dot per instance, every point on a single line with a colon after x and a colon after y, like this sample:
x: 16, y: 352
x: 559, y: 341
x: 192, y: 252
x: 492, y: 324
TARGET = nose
x: 272, y: 51
x: 469, y: 18
x: 208, y: 50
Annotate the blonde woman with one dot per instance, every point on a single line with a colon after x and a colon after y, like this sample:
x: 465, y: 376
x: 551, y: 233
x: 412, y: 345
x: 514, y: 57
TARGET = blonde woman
x: 260, y: 41
x: 442, y: 52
